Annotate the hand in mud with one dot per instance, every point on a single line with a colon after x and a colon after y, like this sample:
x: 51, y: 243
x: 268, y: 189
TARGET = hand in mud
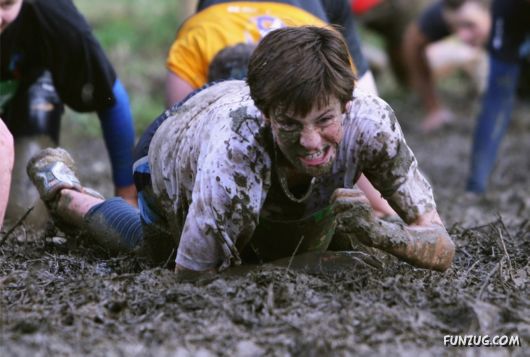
x: 354, y: 213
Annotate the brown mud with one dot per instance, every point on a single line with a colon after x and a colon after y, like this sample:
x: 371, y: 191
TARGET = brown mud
x: 69, y: 297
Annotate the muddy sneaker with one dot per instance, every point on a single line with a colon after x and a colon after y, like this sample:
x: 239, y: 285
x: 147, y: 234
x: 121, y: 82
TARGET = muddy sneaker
x: 53, y: 169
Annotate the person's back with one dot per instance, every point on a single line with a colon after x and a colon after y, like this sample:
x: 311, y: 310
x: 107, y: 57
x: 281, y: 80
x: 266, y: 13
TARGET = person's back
x: 223, y: 25
x: 219, y: 24
x: 238, y: 156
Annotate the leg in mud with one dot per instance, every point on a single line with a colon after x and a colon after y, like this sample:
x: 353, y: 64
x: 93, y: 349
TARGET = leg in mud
x: 112, y: 223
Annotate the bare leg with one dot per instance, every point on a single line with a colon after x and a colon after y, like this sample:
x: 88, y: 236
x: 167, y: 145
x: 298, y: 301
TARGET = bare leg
x: 72, y: 206
x: 378, y: 203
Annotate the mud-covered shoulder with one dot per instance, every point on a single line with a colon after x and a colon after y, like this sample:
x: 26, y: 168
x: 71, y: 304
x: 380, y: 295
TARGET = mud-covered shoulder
x: 374, y: 127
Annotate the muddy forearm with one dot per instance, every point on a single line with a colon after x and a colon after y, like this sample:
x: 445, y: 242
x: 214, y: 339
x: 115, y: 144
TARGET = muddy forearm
x: 425, y: 247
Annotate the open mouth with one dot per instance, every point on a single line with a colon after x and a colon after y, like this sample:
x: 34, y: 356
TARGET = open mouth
x: 317, y: 158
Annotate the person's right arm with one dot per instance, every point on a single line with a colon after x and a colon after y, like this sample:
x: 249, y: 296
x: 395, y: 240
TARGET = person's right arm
x: 187, y: 63
x: 229, y: 189
x: 176, y: 88
x: 7, y: 154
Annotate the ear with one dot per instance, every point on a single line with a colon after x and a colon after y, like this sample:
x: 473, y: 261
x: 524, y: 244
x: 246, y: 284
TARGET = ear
x: 347, y: 107
x: 266, y: 120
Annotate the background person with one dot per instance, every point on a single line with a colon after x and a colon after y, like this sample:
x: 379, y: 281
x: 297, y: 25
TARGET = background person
x: 219, y: 24
x: 49, y: 58
x: 388, y: 19
x: 510, y: 28
x: 469, y: 20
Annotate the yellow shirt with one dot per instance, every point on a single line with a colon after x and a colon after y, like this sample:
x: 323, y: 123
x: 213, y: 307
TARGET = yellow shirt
x: 206, y: 33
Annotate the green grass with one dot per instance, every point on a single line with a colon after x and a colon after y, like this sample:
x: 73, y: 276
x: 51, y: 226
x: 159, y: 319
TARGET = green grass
x: 136, y: 35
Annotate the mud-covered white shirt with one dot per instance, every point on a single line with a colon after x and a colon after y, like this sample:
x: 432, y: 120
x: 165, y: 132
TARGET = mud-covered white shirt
x: 212, y: 171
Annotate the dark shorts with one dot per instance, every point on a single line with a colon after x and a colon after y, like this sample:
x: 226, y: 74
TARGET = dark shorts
x: 36, y: 110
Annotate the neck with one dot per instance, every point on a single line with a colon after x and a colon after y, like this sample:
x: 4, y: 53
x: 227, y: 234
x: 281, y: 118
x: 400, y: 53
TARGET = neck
x: 290, y: 179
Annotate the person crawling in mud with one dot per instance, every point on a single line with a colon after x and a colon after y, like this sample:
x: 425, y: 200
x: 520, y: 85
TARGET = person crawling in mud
x: 263, y: 169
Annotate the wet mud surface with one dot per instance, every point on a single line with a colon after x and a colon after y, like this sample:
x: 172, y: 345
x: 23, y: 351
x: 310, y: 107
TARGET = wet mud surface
x: 69, y: 297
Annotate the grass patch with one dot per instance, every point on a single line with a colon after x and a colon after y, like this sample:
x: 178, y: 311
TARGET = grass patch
x: 136, y: 35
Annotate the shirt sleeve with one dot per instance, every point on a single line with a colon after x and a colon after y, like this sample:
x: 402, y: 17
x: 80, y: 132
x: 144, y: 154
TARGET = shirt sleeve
x: 229, y: 190
x: 118, y: 131
x: 82, y: 74
x: 388, y: 162
x: 432, y: 23
x: 187, y: 58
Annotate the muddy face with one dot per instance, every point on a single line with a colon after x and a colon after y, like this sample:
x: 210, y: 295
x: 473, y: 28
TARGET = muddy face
x: 309, y: 144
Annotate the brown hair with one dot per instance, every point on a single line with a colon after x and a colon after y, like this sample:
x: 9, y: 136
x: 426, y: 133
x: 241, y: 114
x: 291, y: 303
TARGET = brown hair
x: 295, y: 68
x: 230, y: 63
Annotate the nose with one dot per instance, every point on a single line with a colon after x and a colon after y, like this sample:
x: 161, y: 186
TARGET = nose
x: 310, y: 139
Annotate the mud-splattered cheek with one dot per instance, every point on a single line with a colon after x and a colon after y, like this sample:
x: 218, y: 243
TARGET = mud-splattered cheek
x: 288, y: 141
x: 288, y: 138
x: 333, y: 135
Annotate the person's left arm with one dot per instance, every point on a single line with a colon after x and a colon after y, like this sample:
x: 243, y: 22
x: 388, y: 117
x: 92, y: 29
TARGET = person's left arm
x: 118, y: 133
x: 390, y: 165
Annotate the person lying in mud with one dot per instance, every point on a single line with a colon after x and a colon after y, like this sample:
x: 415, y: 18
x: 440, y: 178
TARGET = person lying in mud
x: 216, y: 42
x: 263, y: 169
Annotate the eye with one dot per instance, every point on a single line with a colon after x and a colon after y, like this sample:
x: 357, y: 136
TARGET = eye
x: 325, y: 120
x: 288, y: 125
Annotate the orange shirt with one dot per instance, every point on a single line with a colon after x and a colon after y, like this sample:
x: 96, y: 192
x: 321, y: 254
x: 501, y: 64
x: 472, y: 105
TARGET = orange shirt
x: 206, y: 33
